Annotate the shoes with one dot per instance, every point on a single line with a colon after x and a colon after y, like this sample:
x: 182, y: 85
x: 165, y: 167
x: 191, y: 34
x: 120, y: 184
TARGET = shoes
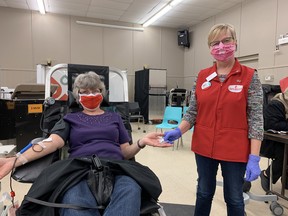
x: 246, y: 186
x: 264, y: 181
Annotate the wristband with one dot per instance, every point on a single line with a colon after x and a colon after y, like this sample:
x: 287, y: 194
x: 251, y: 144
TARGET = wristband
x: 138, y: 144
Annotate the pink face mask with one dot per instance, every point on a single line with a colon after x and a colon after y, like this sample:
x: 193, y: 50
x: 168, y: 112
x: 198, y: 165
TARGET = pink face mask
x: 223, y: 52
x: 90, y: 101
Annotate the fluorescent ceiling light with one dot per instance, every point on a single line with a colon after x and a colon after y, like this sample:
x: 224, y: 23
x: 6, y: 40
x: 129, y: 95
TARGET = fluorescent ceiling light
x: 41, y: 6
x: 109, y: 26
x: 157, y: 15
x: 175, y: 2
x: 160, y: 13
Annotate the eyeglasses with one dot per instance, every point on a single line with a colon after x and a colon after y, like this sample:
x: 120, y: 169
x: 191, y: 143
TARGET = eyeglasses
x: 226, y: 40
x: 88, y: 91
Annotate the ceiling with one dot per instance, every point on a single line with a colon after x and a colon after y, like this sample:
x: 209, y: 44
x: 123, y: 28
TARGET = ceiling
x: 185, y: 14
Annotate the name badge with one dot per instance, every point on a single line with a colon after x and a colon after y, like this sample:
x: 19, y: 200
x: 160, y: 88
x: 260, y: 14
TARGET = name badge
x: 235, y: 88
x: 211, y: 76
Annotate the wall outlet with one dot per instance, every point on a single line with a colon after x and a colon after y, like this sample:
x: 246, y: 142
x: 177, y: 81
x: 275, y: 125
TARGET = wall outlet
x: 283, y: 40
x: 269, y: 78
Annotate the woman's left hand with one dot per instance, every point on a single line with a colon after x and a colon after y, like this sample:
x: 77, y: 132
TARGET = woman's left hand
x: 154, y: 139
x: 252, y: 169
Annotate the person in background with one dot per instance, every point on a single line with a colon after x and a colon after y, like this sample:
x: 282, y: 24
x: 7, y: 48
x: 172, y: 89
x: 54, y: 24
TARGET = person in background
x: 92, y: 131
x: 276, y: 118
x: 226, y: 112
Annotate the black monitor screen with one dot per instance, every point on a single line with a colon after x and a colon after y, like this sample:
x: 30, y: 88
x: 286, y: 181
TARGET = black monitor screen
x: 75, y: 69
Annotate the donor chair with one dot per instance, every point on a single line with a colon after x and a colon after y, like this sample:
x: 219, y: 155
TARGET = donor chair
x: 149, y: 205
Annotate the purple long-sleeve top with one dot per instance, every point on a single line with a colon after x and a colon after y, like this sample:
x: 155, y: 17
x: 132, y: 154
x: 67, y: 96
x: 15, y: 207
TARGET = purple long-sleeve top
x: 96, y: 134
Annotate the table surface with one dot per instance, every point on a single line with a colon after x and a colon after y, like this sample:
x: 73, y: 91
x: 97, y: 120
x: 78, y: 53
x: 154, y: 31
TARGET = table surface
x: 283, y: 138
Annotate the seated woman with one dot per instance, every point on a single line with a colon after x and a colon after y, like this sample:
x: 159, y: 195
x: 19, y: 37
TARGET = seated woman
x: 93, y: 131
x: 276, y: 118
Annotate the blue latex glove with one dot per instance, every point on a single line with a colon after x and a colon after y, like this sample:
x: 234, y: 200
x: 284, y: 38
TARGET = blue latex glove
x: 170, y: 136
x: 252, y: 169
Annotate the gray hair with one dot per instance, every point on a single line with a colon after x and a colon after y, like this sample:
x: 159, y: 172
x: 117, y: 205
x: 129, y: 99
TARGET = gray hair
x: 219, y: 28
x: 89, y: 80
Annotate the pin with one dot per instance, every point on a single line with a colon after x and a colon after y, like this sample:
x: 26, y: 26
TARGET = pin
x: 206, y: 85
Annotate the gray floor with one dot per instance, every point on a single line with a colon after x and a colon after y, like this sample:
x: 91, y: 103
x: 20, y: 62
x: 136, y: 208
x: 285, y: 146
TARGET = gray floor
x: 176, y: 170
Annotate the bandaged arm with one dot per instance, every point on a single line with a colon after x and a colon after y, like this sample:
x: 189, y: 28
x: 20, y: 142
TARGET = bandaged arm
x: 46, y: 147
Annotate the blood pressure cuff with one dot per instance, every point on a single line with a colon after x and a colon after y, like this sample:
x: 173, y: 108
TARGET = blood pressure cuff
x: 62, y: 129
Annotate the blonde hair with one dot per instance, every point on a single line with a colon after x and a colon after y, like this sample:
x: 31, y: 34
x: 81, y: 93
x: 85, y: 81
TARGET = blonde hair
x: 89, y: 80
x: 219, y: 28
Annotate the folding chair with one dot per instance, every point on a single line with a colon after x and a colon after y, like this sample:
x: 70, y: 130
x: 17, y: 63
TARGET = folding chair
x: 135, y: 114
x: 171, y: 119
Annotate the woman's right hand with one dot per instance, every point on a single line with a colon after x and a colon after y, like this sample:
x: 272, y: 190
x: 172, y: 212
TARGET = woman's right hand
x: 6, y: 165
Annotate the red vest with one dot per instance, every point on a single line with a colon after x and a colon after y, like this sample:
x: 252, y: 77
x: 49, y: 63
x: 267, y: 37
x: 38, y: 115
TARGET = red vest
x: 221, y: 128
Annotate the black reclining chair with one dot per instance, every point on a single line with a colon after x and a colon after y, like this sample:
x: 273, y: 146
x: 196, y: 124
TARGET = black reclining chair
x: 269, y: 91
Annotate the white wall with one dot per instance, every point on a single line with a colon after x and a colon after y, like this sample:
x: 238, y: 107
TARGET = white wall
x: 28, y: 38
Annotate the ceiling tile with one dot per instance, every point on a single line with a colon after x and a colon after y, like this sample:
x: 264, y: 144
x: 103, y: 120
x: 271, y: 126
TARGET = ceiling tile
x: 110, y: 4
x: 64, y: 5
x: 125, y: 1
x: 16, y: 4
x: 105, y: 11
x: 84, y: 2
x: 103, y: 16
x: 32, y: 4
x: 133, y: 11
x: 69, y: 12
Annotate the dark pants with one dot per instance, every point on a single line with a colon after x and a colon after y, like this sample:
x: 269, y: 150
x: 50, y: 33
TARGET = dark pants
x: 233, y: 179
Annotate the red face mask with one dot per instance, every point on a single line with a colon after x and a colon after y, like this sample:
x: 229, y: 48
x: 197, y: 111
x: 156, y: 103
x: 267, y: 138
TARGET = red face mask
x: 90, y: 101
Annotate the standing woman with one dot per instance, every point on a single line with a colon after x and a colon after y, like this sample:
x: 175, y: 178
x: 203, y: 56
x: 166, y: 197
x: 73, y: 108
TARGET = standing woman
x: 226, y: 112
